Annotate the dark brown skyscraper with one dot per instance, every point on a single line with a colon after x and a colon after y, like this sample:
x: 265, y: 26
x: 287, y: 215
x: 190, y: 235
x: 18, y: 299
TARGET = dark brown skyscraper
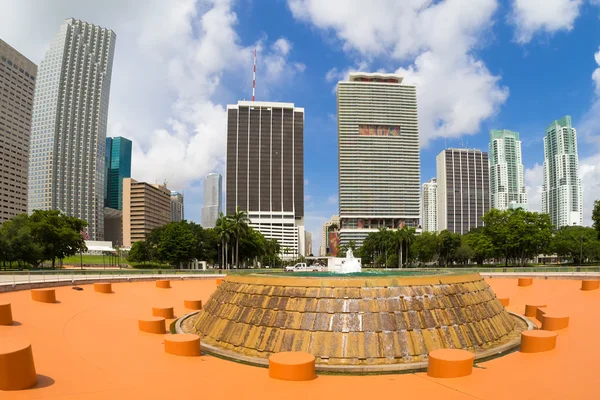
x: 265, y: 170
x: 463, y: 189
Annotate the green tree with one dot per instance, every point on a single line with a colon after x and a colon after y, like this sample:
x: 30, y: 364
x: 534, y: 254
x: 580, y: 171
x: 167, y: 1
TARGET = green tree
x: 596, y: 217
x: 464, y: 253
x: 58, y: 235
x: 239, y: 228
x: 425, y: 246
x: 224, y: 232
x: 177, y: 243
x: 140, y: 252
x: 571, y: 241
x: 17, y: 243
x: 449, y: 242
x: 481, y: 245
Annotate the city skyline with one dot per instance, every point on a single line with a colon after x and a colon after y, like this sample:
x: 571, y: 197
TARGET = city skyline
x: 466, y: 89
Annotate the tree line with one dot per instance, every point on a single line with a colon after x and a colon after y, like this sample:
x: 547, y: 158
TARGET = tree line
x: 231, y: 242
x: 45, y: 235
x: 512, y: 237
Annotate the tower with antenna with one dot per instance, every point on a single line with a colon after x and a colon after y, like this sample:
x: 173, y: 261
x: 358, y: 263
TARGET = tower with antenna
x: 254, y: 76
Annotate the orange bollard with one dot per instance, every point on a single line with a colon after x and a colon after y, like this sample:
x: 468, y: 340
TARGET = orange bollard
x: 43, y: 295
x: 292, y: 366
x: 17, y: 369
x: 163, y: 284
x: 537, y: 341
x: 554, y: 321
x: 450, y: 363
x: 165, y: 312
x: 504, y: 301
x: 152, y: 325
x: 187, y: 345
x: 193, y: 304
x: 531, y: 309
x: 525, y: 282
x: 590, y: 285
x: 103, y: 287
x: 6, y: 314
x: 219, y: 281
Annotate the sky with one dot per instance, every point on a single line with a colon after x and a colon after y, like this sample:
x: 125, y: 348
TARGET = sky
x: 477, y: 64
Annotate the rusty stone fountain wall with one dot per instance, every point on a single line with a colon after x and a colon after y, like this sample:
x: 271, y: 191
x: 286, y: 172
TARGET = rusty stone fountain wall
x: 353, y: 321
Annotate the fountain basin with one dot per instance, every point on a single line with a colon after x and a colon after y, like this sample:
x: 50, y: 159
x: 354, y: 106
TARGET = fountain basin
x: 354, y: 323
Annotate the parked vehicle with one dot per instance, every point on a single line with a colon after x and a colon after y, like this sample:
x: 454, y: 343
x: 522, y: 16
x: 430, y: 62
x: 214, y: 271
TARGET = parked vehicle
x: 300, y: 267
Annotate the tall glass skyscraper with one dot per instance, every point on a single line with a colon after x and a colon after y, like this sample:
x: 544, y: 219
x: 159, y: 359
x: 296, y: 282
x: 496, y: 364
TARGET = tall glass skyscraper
x: 213, y: 189
x: 118, y: 167
x: 507, y: 176
x: 561, y: 196
x: 70, y: 112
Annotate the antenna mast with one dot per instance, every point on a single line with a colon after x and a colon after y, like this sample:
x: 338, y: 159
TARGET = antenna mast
x: 254, y: 76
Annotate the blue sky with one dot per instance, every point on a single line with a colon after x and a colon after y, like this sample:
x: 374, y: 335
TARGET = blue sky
x: 477, y: 64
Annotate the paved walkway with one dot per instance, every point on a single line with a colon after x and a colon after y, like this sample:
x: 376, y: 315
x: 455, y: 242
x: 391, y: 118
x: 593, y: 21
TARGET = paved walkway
x: 12, y: 279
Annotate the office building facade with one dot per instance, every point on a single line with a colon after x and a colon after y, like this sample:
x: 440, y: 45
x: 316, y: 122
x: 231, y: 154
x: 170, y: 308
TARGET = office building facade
x: 118, y: 167
x: 17, y: 84
x: 307, y: 243
x: 379, y: 160
x: 70, y: 112
x: 507, y: 175
x: 463, y: 189
x: 265, y: 170
x: 562, y: 195
x: 145, y: 207
x: 429, y: 203
x: 177, y: 213
x: 213, y: 193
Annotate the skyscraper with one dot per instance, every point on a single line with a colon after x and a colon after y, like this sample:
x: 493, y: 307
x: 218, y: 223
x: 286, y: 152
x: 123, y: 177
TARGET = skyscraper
x: 212, y: 200
x: 561, y: 196
x: 17, y: 79
x: 463, y: 189
x: 118, y: 167
x: 507, y: 176
x: 430, y: 206
x: 265, y: 170
x: 307, y: 243
x: 379, y: 160
x: 70, y: 111
x: 177, y: 207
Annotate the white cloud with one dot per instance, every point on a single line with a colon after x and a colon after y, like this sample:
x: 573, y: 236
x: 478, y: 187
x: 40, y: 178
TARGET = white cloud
x: 332, y: 200
x: 534, y: 183
x: 596, y: 73
x: 549, y: 16
x: 433, y: 44
x: 306, y: 182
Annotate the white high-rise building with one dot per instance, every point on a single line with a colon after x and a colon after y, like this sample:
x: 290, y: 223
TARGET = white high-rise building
x: 70, y: 112
x: 507, y: 176
x: 430, y: 206
x: 379, y: 160
x: 177, y: 210
x: 561, y: 196
x: 213, y: 187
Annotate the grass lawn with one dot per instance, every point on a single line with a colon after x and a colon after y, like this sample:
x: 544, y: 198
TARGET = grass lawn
x: 90, y: 260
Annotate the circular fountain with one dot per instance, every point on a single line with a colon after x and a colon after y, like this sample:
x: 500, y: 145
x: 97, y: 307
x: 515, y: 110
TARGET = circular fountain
x: 353, y: 321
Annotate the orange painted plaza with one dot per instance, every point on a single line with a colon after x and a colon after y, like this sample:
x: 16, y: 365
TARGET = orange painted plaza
x: 88, y: 346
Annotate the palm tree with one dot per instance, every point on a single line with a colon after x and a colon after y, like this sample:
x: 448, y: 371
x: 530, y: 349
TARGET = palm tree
x: 223, y: 228
x: 239, y: 227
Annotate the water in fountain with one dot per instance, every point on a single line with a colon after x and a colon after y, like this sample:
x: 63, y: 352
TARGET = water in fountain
x: 350, y: 264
